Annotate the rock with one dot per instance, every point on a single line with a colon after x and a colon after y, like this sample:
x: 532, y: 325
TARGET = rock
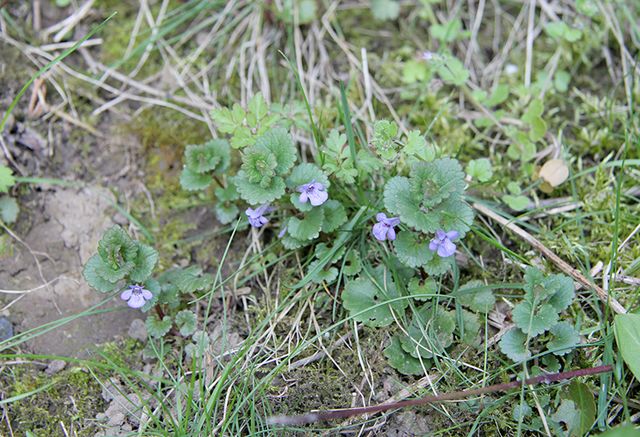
x: 55, y: 366
x: 138, y: 330
x: 408, y: 424
x: 6, y: 329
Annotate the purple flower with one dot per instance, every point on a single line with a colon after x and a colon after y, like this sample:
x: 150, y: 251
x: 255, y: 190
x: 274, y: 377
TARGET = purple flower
x: 256, y: 216
x: 383, y: 230
x: 314, y: 191
x: 427, y: 56
x: 136, y: 296
x: 442, y: 243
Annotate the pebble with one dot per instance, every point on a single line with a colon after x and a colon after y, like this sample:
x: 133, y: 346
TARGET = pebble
x: 138, y: 330
x: 54, y: 367
x: 6, y: 329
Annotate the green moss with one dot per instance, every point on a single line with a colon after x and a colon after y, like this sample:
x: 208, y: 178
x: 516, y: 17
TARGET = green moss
x: 72, y: 400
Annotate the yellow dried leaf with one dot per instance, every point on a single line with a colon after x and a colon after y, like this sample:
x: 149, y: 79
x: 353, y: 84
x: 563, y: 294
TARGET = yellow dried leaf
x: 554, y: 172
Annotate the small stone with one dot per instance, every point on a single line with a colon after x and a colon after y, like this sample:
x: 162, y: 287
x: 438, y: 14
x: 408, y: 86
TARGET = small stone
x: 116, y: 419
x: 6, y: 329
x: 54, y: 367
x: 138, y: 330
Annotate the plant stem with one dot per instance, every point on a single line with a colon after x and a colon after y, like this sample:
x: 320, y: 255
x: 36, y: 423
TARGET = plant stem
x: 452, y: 396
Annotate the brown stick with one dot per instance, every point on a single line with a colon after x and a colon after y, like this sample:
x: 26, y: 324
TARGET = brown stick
x: 562, y: 264
x: 452, y: 396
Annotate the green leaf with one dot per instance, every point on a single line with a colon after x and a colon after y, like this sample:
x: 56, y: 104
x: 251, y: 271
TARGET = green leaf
x: 6, y: 179
x: 567, y: 414
x: 437, y: 266
x: 415, y: 71
x: 626, y: 430
x: 436, y: 181
x: 328, y: 274
x: 213, y: 155
x: 384, y: 138
x: 452, y: 70
x: 401, y: 360
x: 254, y: 194
x: 144, y: 263
x: 412, y: 250
x: 533, y: 319
x: 565, y: 338
x: 627, y: 331
x: 516, y: 203
x: 422, y: 291
x: 480, y: 169
x: 476, y: 296
x: 447, y: 32
x: 513, y: 345
x: 385, y: 9
x: 279, y: 142
x: 560, y: 30
x: 93, y: 279
x: 416, y: 145
x: 561, y: 81
x: 561, y: 291
x: 226, y: 213
x: 158, y: 328
x: 429, y: 333
x: 257, y: 110
x: 583, y: 399
x: 353, y: 265
x: 193, y: 181
x: 191, y: 279
x: 309, y: 227
x: 365, y: 300
x: 9, y: 209
x: 117, y: 252
x: 499, y: 95
x: 226, y: 120
x: 470, y: 328
x: 200, y: 345
x: 186, y: 322
x: 521, y: 411
x: 291, y: 243
x: 335, y: 215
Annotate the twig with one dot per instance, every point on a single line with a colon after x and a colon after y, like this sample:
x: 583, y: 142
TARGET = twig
x: 452, y: 396
x: 562, y: 264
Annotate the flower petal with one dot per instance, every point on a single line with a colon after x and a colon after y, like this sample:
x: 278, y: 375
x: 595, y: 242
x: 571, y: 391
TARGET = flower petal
x: 146, y: 294
x: 318, y: 197
x: 452, y: 235
x: 391, y: 234
x: 440, y: 234
x: 303, y: 197
x: 380, y: 231
x: 126, y: 295
x: 393, y: 221
x: 381, y: 216
x: 434, y: 245
x: 446, y: 249
x: 136, y: 301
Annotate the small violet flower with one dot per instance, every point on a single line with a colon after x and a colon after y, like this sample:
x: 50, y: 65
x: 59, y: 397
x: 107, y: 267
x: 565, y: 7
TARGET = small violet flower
x: 136, y: 296
x: 256, y: 216
x: 442, y: 243
x: 314, y: 192
x: 384, y: 229
x: 427, y: 56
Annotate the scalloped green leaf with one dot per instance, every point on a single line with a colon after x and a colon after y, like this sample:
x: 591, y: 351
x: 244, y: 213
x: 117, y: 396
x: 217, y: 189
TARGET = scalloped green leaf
x: 353, y: 264
x: 476, y: 296
x: 401, y: 360
x: 438, y: 266
x: 117, y: 252
x: 279, y: 142
x: 366, y: 300
x: 158, y: 328
x: 192, y: 181
x: 144, y: 263
x: 470, y: 328
x: 335, y: 215
x: 254, y: 194
x: 513, y: 345
x: 94, y: 279
x: 562, y: 291
x: 327, y: 274
x: 226, y: 213
x: 436, y: 181
x: 565, y: 338
x: 212, y: 155
x: 429, y: 333
x: 187, y: 322
x: 411, y: 249
x: 309, y: 227
x: 480, y: 169
x: 9, y: 209
x: 534, y: 319
x: 422, y: 290
x: 291, y: 243
x: 7, y: 180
